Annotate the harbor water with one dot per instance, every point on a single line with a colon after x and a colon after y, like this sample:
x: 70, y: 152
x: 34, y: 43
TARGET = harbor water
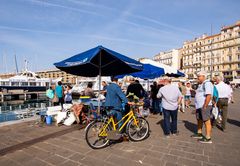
x: 20, y: 109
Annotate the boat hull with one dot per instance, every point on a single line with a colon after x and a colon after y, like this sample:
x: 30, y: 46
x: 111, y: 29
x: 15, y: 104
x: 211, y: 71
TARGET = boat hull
x: 25, y: 88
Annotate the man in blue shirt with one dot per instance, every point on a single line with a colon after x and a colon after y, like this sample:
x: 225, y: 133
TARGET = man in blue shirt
x: 115, y: 97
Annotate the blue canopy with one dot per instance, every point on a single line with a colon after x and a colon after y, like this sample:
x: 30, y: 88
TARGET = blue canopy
x: 148, y: 72
x: 178, y: 74
x: 99, y: 61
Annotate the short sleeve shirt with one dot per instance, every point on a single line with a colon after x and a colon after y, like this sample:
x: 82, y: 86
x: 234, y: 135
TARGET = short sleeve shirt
x: 170, y: 95
x: 206, y: 88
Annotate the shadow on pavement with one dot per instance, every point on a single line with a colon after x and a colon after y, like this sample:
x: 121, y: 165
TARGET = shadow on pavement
x: 190, y: 126
x: 161, y: 123
x: 234, y: 122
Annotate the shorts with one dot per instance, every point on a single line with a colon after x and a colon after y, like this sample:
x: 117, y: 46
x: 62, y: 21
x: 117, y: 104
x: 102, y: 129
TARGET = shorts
x: 204, y: 115
x: 188, y: 97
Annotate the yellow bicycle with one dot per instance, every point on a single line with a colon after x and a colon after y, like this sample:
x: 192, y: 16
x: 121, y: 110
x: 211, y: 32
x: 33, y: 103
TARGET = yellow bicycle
x: 100, y: 132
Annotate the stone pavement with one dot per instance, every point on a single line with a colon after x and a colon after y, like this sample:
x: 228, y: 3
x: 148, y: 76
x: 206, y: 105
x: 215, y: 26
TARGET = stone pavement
x: 28, y: 144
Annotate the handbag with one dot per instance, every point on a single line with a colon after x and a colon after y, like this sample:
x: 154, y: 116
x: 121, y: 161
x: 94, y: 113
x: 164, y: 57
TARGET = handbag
x: 215, y: 112
x: 55, y: 99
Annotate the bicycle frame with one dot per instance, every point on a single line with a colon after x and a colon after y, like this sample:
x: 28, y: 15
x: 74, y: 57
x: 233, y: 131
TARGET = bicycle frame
x: 128, y: 117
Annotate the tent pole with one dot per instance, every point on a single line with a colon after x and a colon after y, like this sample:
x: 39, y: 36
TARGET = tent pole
x: 100, y: 73
x: 148, y: 89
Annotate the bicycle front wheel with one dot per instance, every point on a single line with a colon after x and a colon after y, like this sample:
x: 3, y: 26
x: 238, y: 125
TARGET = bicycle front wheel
x: 139, y: 130
x: 96, y: 135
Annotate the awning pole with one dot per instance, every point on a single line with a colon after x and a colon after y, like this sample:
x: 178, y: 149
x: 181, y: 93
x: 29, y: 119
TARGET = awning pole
x: 100, y: 73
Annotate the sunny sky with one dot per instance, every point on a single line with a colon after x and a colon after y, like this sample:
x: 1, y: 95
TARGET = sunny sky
x: 47, y: 31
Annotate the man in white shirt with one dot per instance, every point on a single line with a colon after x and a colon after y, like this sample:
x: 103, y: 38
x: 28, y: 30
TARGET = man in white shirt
x: 203, y: 106
x: 224, y: 92
x: 171, y: 98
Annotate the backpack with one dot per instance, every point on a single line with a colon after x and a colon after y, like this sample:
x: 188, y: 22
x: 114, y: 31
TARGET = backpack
x: 50, y: 93
x: 215, y: 92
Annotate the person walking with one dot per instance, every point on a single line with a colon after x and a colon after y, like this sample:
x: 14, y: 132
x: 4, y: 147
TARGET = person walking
x: 68, y: 95
x: 182, y: 89
x: 115, y: 98
x: 188, y: 94
x: 224, y: 93
x: 171, y: 98
x: 214, y: 103
x: 203, y: 104
x: 155, y: 100
x: 59, y: 90
x: 231, y: 92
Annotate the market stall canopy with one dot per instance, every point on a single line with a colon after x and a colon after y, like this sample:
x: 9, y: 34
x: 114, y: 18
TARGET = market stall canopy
x: 168, y: 70
x: 149, y: 72
x: 99, y: 61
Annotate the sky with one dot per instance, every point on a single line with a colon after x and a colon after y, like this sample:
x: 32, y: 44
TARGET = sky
x: 47, y: 31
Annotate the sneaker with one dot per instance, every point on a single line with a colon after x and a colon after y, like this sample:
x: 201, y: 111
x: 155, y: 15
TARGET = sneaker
x: 197, y: 135
x: 167, y: 136
x: 205, y: 140
x: 175, y: 134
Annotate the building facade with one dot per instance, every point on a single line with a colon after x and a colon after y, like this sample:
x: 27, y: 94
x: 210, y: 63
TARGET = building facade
x: 217, y: 54
x: 56, y: 74
x: 171, y: 58
x: 7, y: 75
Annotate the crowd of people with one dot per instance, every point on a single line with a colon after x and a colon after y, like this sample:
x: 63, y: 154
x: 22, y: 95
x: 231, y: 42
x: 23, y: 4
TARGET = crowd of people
x: 167, y: 99
x: 58, y: 94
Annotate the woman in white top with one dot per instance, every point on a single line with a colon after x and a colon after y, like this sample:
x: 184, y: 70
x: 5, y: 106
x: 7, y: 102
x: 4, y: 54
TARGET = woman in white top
x: 68, y: 94
x: 188, y: 94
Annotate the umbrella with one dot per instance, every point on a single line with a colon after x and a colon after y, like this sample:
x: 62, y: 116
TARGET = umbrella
x: 149, y: 72
x: 99, y: 61
x: 168, y: 70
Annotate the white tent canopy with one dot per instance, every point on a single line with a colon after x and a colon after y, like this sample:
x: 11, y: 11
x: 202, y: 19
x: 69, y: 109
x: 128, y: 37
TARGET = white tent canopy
x: 167, y: 69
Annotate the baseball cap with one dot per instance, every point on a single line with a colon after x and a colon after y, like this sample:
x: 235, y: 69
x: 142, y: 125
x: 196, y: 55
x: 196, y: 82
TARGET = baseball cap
x: 202, y: 73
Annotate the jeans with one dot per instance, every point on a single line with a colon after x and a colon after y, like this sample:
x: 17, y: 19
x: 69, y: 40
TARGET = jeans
x: 156, y: 105
x: 170, y: 127
x: 160, y: 106
x: 118, y: 116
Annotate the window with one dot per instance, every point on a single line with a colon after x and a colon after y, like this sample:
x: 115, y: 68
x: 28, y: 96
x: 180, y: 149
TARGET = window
x: 238, y: 57
x: 239, y: 65
x: 24, y: 84
x: 5, y: 83
x: 230, y: 58
x: 15, y: 83
x: 33, y: 84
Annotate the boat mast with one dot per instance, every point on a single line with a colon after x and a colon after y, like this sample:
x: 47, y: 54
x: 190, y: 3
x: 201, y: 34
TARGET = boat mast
x: 25, y: 65
x: 16, y: 65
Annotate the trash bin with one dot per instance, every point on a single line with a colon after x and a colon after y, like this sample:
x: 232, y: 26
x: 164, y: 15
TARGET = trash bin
x: 49, y: 120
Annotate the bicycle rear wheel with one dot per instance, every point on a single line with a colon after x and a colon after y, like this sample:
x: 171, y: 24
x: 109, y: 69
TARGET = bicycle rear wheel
x: 93, y: 139
x: 139, y: 131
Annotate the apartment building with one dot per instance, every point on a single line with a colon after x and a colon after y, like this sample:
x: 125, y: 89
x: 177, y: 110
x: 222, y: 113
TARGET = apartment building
x: 216, y: 54
x: 171, y: 58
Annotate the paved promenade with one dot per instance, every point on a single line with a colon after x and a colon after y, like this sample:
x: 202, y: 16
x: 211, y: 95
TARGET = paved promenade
x: 31, y: 144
